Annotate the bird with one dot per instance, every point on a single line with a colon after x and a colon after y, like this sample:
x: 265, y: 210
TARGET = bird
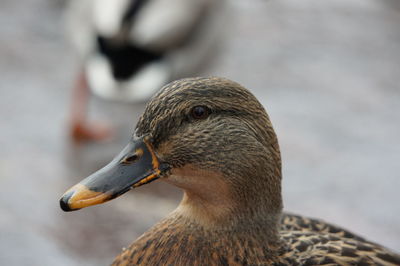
x: 213, y: 139
x: 128, y: 49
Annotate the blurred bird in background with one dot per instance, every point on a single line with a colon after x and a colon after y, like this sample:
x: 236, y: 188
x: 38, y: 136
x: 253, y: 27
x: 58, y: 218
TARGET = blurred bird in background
x: 128, y: 49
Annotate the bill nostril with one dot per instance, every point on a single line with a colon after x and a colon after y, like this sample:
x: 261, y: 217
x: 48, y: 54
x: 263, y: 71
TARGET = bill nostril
x: 132, y: 158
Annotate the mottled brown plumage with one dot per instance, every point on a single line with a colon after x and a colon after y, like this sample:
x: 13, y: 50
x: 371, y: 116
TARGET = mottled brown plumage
x: 228, y: 163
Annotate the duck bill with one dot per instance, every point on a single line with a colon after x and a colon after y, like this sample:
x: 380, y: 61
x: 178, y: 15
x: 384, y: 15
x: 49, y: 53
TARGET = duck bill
x: 136, y: 165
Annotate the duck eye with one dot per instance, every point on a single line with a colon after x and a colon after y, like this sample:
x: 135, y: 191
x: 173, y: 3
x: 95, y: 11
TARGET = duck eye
x: 200, y: 112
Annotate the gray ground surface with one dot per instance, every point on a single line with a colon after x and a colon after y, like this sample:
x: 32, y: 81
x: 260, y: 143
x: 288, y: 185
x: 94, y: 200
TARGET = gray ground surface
x: 328, y: 72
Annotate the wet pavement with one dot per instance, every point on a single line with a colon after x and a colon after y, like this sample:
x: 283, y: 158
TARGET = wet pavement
x: 328, y: 73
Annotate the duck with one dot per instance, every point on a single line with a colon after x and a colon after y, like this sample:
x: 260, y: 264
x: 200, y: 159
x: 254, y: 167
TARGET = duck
x: 128, y: 49
x: 213, y: 139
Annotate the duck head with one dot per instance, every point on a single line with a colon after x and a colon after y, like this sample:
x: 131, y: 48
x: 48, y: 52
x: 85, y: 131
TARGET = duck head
x: 209, y: 136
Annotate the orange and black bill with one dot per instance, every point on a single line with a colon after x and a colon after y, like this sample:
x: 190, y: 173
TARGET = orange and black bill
x: 136, y: 165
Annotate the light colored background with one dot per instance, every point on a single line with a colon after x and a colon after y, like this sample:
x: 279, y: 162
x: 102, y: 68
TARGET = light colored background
x: 328, y: 73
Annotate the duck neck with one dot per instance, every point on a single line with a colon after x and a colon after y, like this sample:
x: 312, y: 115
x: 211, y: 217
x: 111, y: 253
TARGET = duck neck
x: 220, y: 217
x: 223, y: 210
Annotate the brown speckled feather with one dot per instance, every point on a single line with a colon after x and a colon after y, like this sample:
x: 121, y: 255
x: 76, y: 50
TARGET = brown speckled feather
x: 172, y: 242
x: 305, y: 241
x: 315, y: 242
x: 309, y: 248
x: 293, y: 222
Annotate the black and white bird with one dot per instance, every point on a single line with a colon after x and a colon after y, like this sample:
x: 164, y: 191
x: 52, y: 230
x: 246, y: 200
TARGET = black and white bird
x: 129, y: 48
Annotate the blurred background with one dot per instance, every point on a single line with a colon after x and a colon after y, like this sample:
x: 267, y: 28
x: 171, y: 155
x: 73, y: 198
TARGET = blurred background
x: 328, y: 73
